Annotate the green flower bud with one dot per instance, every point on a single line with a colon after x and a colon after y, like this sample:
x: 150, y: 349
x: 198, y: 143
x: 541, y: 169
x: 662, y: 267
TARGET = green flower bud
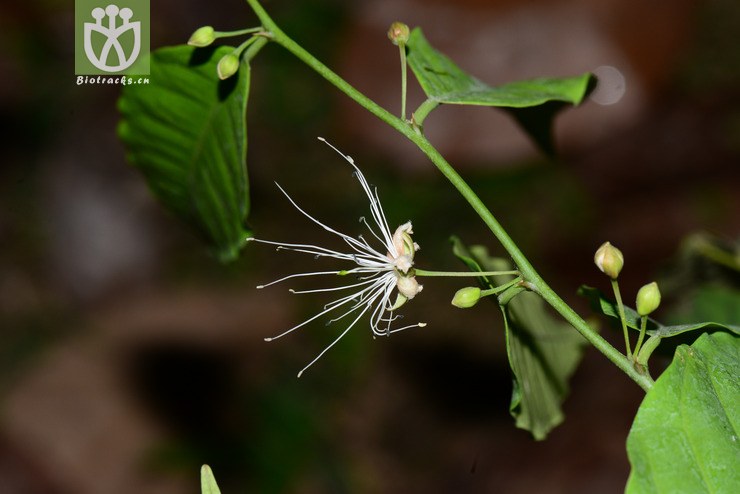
x: 609, y: 260
x: 227, y: 66
x: 398, y: 33
x: 648, y: 299
x: 203, y: 36
x: 466, y: 297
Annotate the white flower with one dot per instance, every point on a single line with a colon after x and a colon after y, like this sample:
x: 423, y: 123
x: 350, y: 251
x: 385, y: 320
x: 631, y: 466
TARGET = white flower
x: 379, y: 271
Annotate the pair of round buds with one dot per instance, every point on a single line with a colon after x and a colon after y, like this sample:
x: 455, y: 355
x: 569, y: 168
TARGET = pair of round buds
x: 610, y: 261
x: 229, y: 63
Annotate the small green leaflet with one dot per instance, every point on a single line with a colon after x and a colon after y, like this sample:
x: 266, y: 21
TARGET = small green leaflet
x: 543, y: 352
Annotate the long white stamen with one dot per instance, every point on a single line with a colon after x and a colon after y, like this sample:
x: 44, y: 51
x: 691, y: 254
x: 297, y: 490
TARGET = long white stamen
x: 313, y: 318
x: 317, y: 250
x: 369, y: 295
x: 333, y: 289
x: 375, y: 206
x: 358, y: 297
x: 363, y: 220
x: 297, y: 275
x: 377, y: 315
x: 417, y: 325
x: 328, y: 308
x: 333, y: 342
x: 374, y: 262
x: 383, y: 223
x: 350, y: 240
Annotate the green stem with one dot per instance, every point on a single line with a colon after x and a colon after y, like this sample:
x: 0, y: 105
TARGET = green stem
x: 622, y: 318
x: 526, y: 268
x: 499, y: 289
x: 647, y: 350
x: 249, y: 41
x: 424, y: 109
x: 643, y: 327
x: 279, y: 37
x: 520, y: 260
x: 254, y: 48
x: 469, y: 274
x: 239, y: 32
x: 402, y: 48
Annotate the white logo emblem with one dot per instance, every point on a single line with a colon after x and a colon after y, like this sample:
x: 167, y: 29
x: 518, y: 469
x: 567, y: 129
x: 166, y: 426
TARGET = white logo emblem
x: 112, y: 33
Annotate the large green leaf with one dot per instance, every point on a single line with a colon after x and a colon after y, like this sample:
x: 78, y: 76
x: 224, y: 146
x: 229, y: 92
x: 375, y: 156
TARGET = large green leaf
x: 186, y: 132
x: 685, y: 435
x: 609, y: 308
x: 444, y: 82
x: 208, y: 483
x: 543, y: 352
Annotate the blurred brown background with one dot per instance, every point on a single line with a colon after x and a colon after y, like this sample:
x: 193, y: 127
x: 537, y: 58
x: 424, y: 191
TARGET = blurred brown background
x: 129, y: 357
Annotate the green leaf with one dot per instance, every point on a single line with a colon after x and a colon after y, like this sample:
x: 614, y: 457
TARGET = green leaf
x: 676, y: 329
x: 208, y: 481
x: 685, y: 435
x: 600, y: 303
x: 186, y: 132
x: 543, y: 352
x: 445, y: 82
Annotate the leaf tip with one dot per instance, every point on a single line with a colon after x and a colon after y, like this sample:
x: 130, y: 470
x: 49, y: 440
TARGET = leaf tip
x: 208, y: 483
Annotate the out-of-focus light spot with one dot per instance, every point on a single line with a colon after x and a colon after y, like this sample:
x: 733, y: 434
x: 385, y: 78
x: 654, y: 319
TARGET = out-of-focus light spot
x: 611, y: 85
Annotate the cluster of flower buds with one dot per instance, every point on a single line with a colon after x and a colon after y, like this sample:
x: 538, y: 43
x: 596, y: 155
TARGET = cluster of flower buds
x: 228, y: 65
x: 204, y: 36
x: 610, y: 261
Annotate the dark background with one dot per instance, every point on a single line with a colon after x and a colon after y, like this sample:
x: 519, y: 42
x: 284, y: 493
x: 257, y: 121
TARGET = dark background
x: 129, y: 357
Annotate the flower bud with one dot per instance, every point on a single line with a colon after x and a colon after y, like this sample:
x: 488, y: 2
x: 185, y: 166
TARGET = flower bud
x: 408, y: 286
x: 203, y: 36
x: 466, y: 297
x: 609, y: 260
x: 227, y: 66
x: 648, y: 299
x: 398, y: 33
